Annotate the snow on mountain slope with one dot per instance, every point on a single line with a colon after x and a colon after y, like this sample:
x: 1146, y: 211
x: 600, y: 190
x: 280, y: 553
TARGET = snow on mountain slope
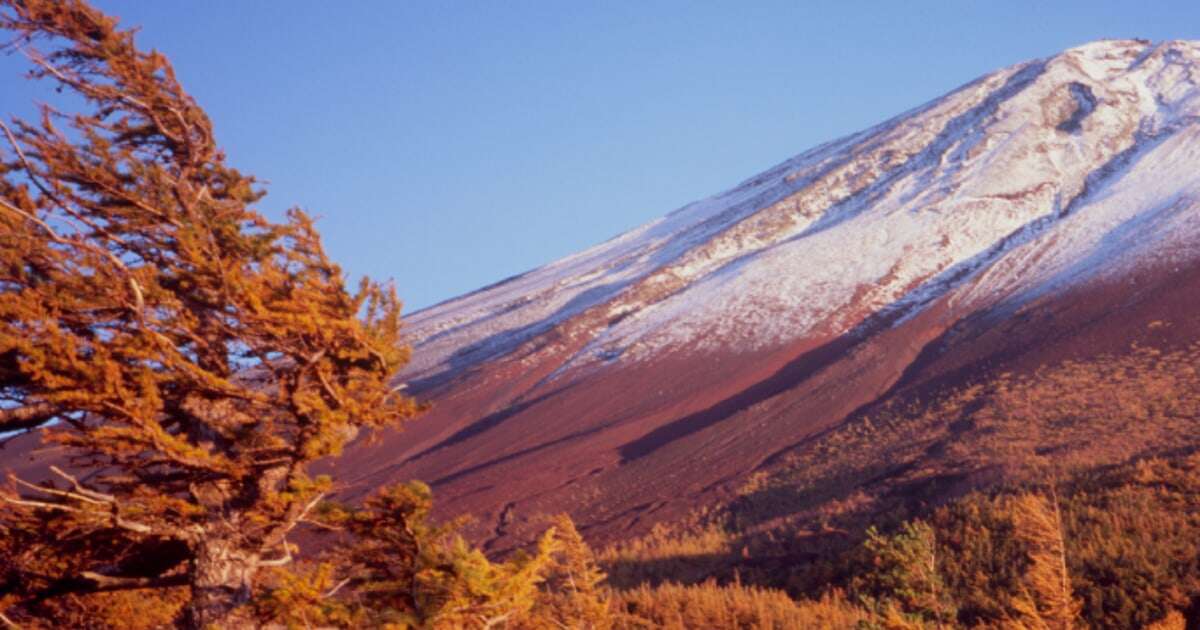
x: 1045, y: 212
x: 1051, y: 165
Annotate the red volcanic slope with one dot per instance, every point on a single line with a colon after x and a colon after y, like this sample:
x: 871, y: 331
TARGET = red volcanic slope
x: 640, y: 446
x: 1043, y: 212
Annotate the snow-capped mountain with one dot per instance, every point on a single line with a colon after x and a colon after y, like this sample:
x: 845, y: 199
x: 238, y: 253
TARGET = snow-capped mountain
x: 632, y: 381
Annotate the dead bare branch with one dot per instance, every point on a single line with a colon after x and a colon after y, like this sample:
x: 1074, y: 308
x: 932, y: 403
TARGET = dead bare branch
x: 8, y: 623
x: 118, y: 583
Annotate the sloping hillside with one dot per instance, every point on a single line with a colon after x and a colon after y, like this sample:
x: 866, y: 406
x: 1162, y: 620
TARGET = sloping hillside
x: 1041, y: 217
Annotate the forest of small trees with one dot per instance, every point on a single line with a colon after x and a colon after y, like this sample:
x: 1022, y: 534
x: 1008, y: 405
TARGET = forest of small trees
x: 180, y: 362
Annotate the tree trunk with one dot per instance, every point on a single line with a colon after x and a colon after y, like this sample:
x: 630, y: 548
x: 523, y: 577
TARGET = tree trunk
x: 221, y: 579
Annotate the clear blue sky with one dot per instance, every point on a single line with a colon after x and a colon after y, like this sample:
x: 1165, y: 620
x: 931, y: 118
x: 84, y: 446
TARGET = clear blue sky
x: 448, y: 145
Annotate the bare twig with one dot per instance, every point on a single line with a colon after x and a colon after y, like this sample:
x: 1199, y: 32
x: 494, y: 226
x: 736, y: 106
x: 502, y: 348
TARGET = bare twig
x: 38, y: 504
x: 118, y: 583
x: 55, y: 491
x: 337, y: 587
x: 112, y: 514
x: 320, y: 525
x: 132, y: 526
x: 99, y: 496
x: 50, y: 233
x: 284, y: 560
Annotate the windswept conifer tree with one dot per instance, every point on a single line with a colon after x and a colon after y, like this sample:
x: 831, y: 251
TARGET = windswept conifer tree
x: 1047, y: 600
x: 186, y: 356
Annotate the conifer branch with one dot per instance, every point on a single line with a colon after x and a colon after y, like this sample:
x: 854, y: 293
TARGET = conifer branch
x: 118, y: 583
x: 26, y: 417
x: 86, y: 496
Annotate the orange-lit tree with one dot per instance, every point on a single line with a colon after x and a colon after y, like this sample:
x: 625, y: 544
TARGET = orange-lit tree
x: 396, y: 569
x: 187, y: 357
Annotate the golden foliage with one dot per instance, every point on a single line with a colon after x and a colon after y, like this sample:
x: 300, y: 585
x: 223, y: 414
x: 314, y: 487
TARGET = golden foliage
x: 686, y: 554
x: 190, y: 355
x: 571, y: 593
x: 1128, y: 534
x: 139, y: 609
x: 399, y: 571
x: 904, y: 584
x: 1071, y: 416
x: 1173, y: 621
x: 1047, y: 601
x: 710, y: 605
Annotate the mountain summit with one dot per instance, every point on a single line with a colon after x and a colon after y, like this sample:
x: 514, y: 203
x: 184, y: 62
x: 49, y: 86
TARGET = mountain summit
x: 1046, y: 212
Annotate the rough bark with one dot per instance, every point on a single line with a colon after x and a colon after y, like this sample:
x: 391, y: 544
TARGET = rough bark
x: 221, y: 581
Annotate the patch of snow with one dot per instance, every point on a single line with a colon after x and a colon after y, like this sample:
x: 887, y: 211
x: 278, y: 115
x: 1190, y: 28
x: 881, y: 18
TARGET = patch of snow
x: 1039, y: 175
